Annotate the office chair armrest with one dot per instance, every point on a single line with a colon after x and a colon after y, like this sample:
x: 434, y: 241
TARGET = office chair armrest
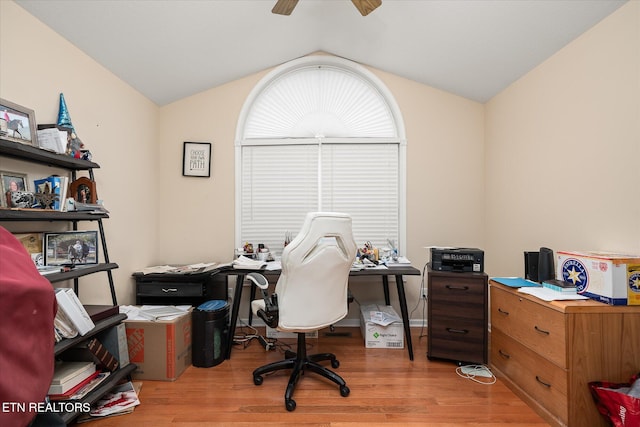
x: 270, y: 314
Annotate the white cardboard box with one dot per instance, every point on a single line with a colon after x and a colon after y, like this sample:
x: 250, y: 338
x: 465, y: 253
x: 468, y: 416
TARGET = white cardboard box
x: 378, y: 336
x: 609, y: 278
x: 274, y: 333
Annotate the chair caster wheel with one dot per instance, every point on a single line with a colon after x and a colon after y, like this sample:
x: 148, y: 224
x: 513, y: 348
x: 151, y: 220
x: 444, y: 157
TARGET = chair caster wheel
x: 344, y: 391
x: 335, y: 364
x: 290, y: 404
x: 257, y: 380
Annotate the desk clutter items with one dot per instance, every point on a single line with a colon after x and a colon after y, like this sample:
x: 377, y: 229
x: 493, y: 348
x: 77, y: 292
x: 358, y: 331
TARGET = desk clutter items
x: 610, y: 278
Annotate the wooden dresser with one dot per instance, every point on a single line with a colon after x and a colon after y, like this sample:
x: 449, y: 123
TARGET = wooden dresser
x: 457, y: 316
x: 548, y: 352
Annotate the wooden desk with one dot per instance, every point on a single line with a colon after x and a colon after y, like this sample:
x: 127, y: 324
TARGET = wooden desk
x: 398, y: 272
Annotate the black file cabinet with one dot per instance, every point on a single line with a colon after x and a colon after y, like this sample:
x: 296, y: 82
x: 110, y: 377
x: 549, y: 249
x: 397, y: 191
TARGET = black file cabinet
x: 457, y: 316
x: 179, y: 289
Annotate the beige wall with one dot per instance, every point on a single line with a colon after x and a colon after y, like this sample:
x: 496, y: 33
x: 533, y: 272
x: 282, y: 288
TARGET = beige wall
x: 114, y: 121
x: 563, y: 150
x: 550, y: 161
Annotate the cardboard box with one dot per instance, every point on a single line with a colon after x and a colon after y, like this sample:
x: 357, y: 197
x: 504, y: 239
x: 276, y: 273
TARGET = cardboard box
x: 609, y: 278
x: 161, y: 348
x: 376, y: 335
x: 274, y: 333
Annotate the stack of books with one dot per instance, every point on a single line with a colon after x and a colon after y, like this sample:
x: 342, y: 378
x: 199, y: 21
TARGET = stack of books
x: 560, y: 286
x: 69, y: 377
x: 51, y: 192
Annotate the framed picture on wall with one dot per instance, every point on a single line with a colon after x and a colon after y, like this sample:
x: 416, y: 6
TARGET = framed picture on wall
x: 196, y: 159
x: 17, y: 123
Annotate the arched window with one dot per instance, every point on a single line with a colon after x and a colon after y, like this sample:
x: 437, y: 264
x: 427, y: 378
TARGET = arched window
x: 320, y: 133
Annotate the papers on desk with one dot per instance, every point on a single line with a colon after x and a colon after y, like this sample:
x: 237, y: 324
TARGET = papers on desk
x: 246, y: 263
x: 400, y: 262
x: 182, y: 269
x: 515, y: 282
x: 547, y: 294
x: 154, y: 312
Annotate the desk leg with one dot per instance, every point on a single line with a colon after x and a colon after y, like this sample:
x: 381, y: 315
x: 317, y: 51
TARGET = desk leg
x: 252, y: 294
x: 237, y: 295
x: 405, y: 314
x: 385, y: 288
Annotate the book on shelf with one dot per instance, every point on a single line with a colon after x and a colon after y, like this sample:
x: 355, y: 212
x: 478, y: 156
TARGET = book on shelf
x: 68, y: 302
x: 57, y: 187
x: 115, y: 340
x: 92, y: 350
x: 82, y: 389
x: 62, y: 326
x: 67, y: 375
x: 100, y: 312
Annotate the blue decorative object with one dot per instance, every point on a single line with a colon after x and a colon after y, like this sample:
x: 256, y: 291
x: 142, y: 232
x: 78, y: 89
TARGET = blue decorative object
x: 64, y: 119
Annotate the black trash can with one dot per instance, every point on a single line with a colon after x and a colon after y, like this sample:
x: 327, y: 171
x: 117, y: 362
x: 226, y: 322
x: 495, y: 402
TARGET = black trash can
x: 210, y: 322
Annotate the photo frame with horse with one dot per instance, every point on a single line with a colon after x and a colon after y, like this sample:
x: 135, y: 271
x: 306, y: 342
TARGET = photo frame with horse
x: 17, y: 123
x: 83, y: 190
x: 71, y: 248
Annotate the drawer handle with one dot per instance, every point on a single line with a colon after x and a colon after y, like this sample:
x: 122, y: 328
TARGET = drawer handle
x: 458, y: 331
x: 457, y: 288
x: 165, y: 290
x: 542, y: 382
x: 542, y: 331
x: 503, y: 354
x: 506, y: 313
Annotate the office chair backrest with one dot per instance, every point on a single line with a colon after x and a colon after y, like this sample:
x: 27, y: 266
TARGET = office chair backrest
x: 312, y: 288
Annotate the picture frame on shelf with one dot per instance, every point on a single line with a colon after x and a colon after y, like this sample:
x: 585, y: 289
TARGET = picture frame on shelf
x: 32, y: 242
x: 71, y: 248
x: 196, y: 159
x: 83, y: 190
x: 17, y: 123
x: 12, y: 181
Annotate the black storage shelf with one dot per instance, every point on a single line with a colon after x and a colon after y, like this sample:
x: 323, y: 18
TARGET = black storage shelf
x: 44, y: 157
x: 48, y: 215
x: 80, y: 271
x: 101, y: 390
x: 101, y: 325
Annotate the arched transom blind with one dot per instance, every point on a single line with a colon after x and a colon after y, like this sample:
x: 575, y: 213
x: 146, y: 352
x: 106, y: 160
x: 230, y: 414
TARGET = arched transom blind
x: 319, y: 138
x: 320, y: 101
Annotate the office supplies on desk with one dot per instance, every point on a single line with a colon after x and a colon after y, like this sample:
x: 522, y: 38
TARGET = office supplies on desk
x: 515, y: 282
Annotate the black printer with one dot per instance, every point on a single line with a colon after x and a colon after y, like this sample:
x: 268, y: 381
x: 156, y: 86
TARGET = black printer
x: 457, y: 259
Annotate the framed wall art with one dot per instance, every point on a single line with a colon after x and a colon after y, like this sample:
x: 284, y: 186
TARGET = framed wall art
x: 17, y: 123
x: 196, y: 159
x: 71, y: 248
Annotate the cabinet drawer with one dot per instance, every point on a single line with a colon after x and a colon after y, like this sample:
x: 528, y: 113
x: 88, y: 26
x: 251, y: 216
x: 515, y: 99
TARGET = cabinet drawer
x: 168, y: 289
x: 457, y: 339
x: 457, y: 290
x: 545, y: 382
x: 539, y: 328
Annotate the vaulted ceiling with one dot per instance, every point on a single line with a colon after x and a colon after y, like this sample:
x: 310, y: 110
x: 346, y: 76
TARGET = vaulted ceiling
x: 170, y: 49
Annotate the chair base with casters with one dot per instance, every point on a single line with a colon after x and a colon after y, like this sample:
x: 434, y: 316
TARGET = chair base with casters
x: 300, y: 362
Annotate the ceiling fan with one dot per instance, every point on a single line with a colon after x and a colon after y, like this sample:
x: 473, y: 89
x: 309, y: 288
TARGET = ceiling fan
x: 365, y: 7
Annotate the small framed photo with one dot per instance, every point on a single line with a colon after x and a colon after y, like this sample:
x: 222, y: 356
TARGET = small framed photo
x: 12, y: 181
x: 17, y: 123
x: 71, y: 248
x: 83, y: 190
x: 32, y: 242
x: 196, y: 159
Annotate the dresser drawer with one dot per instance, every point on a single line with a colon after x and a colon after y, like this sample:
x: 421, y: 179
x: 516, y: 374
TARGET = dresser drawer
x: 457, y: 290
x: 456, y: 339
x: 169, y: 289
x: 539, y: 328
x: 545, y: 382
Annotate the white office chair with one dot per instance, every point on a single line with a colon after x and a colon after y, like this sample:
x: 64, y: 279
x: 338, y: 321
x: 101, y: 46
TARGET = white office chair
x: 310, y: 294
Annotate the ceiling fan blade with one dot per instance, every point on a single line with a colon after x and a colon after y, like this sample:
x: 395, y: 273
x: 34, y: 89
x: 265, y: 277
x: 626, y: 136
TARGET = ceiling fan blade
x: 284, y: 7
x: 365, y: 7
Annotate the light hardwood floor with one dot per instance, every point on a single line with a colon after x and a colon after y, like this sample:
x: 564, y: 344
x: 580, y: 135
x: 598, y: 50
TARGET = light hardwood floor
x: 386, y: 389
